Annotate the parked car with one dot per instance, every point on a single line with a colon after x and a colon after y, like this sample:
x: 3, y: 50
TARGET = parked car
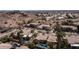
x: 41, y: 46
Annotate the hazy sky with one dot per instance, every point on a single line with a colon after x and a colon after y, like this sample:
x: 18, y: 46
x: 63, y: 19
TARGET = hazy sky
x: 39, y: 4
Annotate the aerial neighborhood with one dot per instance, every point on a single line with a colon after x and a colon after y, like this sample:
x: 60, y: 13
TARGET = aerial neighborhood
x: 49, y: 29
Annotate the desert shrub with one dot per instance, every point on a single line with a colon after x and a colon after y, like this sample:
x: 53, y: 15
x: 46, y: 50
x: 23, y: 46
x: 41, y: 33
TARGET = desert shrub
x: 24, y: 22
x: 69, y: 16
x: 43, y: 18
x: 65, y: 23
x: 13, y: 36
x: 39, y: 31
x: 31, y: 45
x: 32, y: 31
x: 68, y: 22
x: 35, y: 41
x: 29, y: 21
x: 5, y: 22
x: 50, y: 45
x: 35, y: 34
x: 5, y: 39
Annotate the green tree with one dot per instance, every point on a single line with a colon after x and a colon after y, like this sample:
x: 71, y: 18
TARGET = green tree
x: 31, y: 45
x: 65, y: 44
x: 20, y: 34
x: 60, y: 35
x: 5, y: 39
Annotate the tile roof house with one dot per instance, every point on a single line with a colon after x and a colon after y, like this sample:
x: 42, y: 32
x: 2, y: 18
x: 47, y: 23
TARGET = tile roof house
x: 43, y: 26
x: 47, y: 37
x: 73, y: 39
x: 33, y: 25
x: 40, y: 36
x: 51, y: 38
